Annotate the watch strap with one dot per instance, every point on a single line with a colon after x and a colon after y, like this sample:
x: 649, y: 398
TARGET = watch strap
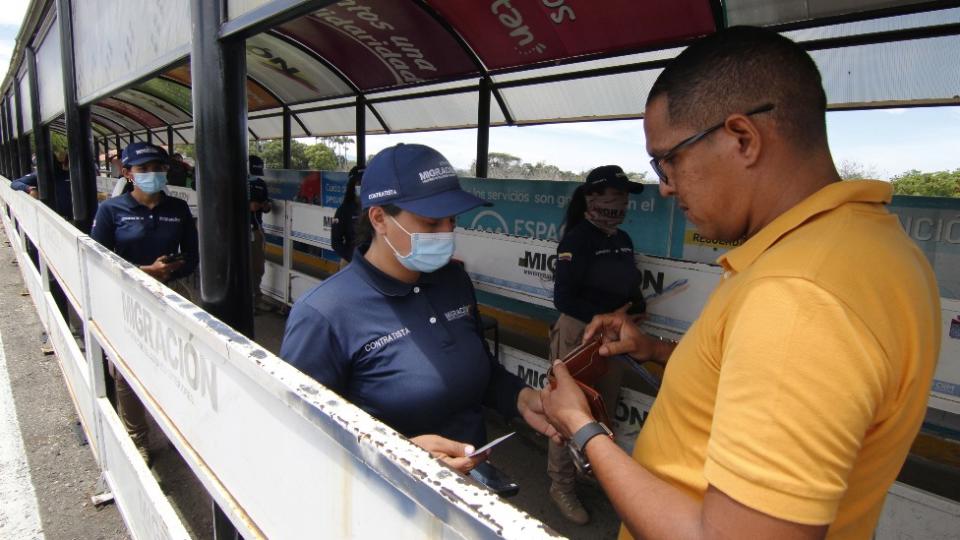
x: 587, y: 432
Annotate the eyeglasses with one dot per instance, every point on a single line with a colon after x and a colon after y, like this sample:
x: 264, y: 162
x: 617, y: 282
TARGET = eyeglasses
x: 656, y: 161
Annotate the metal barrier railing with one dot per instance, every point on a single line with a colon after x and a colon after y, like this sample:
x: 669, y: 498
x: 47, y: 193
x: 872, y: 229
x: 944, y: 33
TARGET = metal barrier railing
x: 282, y: 456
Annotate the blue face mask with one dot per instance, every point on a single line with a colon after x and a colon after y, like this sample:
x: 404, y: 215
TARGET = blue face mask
x: 428, y: 251
x: 150, y: 182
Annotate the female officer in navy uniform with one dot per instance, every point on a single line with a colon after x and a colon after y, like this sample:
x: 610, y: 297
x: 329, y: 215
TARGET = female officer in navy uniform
x: 596, y: 273
x: 343, y: 229
x: 144, y: 226
x: 397, y: 331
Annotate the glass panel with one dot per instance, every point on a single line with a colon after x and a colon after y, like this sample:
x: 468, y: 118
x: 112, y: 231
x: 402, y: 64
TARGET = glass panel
x: 121, y: 52
x: 27, y: 111
x: 291, y: 73
x: 382, y: 43
x: 510, y: 33
x: 14, y: 125
x: 611, y: 96
x: 770, y: 12
x: 50, y: 75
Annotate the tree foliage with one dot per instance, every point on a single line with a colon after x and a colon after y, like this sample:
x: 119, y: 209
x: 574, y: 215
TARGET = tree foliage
x: 503, y: 165
x: 316, y: 157
x: 930, y: 184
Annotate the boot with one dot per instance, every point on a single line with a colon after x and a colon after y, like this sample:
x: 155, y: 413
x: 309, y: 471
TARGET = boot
x: 565, y: 499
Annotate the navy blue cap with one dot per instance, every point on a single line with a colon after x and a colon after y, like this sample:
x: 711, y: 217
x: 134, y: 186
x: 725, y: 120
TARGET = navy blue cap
x: 256, y: 164
x: 611, y: 176
x: 418, y: 179
x: 140, y: 152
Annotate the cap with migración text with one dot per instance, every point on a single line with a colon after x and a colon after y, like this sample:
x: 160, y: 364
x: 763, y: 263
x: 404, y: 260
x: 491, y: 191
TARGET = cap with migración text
x: 139, y: 153
x: 418, y: 179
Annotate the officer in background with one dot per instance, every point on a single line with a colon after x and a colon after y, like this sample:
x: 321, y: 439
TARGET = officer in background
x: 260, y: 204
x: 156, y: 233
x: 343, y: 230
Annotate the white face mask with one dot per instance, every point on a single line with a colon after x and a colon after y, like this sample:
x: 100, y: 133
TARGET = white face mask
x: 428, y: 251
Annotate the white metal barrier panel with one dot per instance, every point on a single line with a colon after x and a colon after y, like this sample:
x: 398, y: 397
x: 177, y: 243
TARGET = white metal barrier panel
x: 283, y: 456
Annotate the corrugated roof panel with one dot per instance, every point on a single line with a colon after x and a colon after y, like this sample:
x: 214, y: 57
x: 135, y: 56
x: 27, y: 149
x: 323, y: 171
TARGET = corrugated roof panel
x: 437, y: 112
x: 166, y: 112
x: 271, y: 127
x: 339, y: 121
x: 141, y: 116
x: 610, y: 96
x: 915, y: 71
x: 126, y: 124
x: 884, y: 24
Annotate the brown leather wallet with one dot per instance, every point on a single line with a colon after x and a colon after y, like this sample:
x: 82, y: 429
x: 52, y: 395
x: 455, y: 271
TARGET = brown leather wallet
x: 587, y: 366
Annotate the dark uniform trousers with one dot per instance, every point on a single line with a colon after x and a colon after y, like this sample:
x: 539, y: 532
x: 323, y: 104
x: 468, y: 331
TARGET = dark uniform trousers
x: 257, y: 261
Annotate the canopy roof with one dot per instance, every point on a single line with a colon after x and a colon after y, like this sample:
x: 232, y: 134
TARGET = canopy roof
x: 419, y: 64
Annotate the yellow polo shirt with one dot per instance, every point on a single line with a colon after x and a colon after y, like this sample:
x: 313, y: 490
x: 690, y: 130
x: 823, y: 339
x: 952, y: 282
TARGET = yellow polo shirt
x: 801, y: 386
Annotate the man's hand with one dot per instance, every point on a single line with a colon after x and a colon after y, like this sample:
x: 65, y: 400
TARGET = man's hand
x: 160, y: 270
x: 564, y: 403
x: 531, y: 409
x: 33, y: 192
x: 622, y: 336
x: 452, y: 453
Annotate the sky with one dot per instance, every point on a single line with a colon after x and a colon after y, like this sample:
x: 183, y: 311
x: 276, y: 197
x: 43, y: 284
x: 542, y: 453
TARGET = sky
x: 886, y: 142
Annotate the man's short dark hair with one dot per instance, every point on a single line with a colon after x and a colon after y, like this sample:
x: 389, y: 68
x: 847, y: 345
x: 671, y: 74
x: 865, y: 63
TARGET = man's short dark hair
x: 741, y: 68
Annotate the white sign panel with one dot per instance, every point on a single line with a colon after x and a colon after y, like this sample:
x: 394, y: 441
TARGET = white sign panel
x: 186, y: 194
x: 520, y: 268
x: 676, y: 291
x: 946, y: 381
x: 59, y: 248
x: 628, y: 416
x: 274, y: 222
x: 311, y: 224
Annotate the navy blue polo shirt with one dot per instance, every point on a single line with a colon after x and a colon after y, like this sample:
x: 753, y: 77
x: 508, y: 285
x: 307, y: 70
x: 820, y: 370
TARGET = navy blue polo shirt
x: 258, y: 193
x: 411, y: 355
x: 596, y: 272
x: 140, y: 234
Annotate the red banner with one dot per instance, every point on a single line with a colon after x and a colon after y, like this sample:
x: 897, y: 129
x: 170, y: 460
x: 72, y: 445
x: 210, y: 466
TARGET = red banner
x: 381, y: 43
x: 510, y: 33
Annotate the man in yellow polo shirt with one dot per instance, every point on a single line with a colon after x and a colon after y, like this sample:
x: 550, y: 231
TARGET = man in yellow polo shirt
x: 790, y: 405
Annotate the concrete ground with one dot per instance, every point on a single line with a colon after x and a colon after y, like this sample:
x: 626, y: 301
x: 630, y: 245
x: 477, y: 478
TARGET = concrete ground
x: 54, y: 458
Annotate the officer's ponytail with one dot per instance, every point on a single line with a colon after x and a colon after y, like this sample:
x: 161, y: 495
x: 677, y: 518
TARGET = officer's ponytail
x: 575, y: 210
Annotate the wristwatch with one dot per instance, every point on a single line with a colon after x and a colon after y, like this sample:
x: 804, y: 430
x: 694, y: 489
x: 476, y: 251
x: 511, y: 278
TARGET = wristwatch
x: 579, y: 442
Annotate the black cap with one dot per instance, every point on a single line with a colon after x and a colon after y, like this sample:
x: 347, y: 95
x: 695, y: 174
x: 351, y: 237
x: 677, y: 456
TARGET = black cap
x: 256, y: 164
x: 611, y: 176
